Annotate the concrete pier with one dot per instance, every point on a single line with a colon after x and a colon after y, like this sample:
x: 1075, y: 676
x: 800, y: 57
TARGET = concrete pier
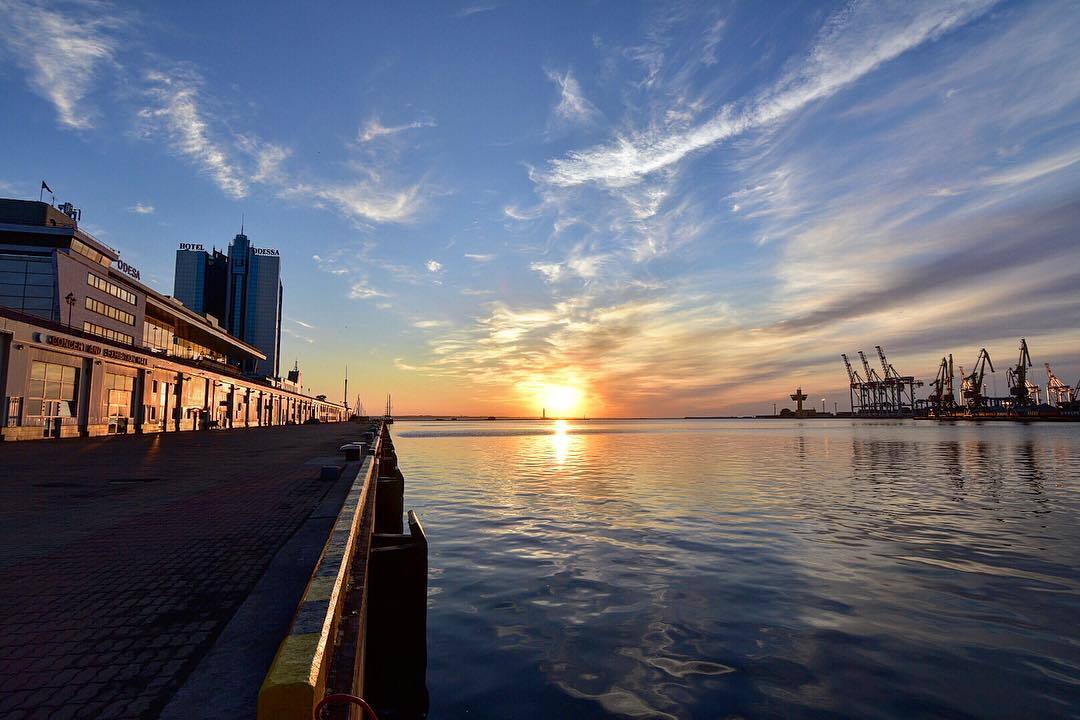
x: 157, y: 574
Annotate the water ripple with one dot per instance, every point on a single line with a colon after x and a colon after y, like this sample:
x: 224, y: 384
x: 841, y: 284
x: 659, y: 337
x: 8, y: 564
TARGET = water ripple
x: 749, y: 569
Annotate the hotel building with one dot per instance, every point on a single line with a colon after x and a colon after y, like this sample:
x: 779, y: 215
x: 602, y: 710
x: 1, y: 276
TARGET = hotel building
x: 242, y: 288
x: 87, y: 349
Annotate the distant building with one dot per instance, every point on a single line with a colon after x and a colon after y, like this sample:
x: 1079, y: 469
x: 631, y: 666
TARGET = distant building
x: 253, y: 305
x: 201, y: 280
x: 799, y: 397
x: 242, y: 290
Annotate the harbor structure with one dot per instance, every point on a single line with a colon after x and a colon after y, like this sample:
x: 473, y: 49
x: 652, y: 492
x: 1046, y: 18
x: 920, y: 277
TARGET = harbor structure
x: 87, y: 349
x: 893, y: 395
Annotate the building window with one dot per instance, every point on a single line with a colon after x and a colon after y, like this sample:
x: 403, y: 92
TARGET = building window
x: 112, y: 288
x: 87, y: 251
x: 108, y: 333
x: 28, y: 284
x: 109, y: 311
x: 52, y: 395
x: 119, y: 390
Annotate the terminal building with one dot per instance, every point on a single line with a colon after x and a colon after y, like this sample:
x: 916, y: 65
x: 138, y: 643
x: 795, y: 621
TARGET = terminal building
x: 87, y: 349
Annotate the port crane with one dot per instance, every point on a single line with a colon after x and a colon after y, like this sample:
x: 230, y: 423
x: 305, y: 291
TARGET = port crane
x: 942, y: 401
x: 1019, y: 385
x: 971, y: 386
x: 855, y: 383
x: 1058, y: 392
x: 894, y: 386
x: 872, y: 386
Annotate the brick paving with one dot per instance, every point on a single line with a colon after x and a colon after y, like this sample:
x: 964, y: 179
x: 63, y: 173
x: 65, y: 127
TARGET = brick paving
x: 121, y: 559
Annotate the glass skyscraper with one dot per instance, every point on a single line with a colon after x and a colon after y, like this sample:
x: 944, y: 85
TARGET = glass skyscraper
x: 201, y: 280
x: 242, y: 289
x: 254, y: 301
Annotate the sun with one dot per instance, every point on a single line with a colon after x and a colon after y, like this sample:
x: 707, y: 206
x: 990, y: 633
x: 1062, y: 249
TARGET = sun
x: 560, y: 400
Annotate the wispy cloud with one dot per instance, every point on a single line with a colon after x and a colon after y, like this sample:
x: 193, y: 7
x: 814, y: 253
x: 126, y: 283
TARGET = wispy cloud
x: 268, y: 157
x: 480, y: 257
x: 361, y: 290
x: 364, y: 199
x: 515, y: 213
x: 176, y: 109
x: 475, y: 9
x: 573, y: 107
x: 429, y: 324
x: 62, y: 51
x: 374, y: 129
x: 141, y: 208
x: 852, y: 45
x: 433, y: 266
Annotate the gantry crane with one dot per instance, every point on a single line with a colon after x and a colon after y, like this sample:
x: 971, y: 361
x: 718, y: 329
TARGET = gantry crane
x: 1058, y: 392
x: 1019, y: 387
x: 873, y: 387
x: 855, y: 385
x: 898, y: 390
x: 971, y: 386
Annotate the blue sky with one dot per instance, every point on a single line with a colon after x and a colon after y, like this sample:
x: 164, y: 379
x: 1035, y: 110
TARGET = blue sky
x: 616, y: 208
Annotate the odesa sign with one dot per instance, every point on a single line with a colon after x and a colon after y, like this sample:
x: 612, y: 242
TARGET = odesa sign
x: 271, y: 252
x: 127, y: 269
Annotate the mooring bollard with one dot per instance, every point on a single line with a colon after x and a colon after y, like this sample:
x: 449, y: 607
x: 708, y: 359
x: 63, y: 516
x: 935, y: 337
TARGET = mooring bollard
x: 396, y: 666
x: 330, y: 473
x: 352, y: 451
x: 389, y: 504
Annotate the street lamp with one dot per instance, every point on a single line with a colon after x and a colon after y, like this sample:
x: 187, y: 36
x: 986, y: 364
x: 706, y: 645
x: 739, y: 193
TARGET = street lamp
x: 70, y: 300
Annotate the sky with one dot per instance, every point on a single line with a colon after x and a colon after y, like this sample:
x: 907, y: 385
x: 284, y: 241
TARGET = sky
x: 598, y: 208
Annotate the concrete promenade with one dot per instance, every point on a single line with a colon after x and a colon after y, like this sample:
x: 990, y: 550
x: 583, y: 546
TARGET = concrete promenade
x: 124, y: 562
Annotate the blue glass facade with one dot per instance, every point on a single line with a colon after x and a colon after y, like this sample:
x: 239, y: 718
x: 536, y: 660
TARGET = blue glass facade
x: 189, y: 279
x: 254, y: 301
x: 243, y: 290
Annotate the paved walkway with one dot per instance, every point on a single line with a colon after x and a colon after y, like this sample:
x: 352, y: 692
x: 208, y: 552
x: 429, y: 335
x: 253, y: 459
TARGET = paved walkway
x: 122, y: 559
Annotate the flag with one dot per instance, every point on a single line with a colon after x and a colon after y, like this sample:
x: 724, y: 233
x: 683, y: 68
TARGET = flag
x: 45, y: 186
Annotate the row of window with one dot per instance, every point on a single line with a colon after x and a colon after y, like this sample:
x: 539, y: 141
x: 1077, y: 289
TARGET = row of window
x: 109, y: 311
x: 108, y: 333
x: 84, y: 249
x: 161, y: 337
x: 112, y: 288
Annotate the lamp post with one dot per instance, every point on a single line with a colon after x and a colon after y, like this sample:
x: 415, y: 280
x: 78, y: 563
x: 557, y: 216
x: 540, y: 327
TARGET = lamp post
x: 70, y: 300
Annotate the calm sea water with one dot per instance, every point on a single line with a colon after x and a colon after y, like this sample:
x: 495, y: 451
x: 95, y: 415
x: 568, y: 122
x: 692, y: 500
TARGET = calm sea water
x: 715, y: 569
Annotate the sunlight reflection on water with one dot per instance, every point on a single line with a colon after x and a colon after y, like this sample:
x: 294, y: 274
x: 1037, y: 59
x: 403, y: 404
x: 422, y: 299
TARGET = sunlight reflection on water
x: 737, y: 568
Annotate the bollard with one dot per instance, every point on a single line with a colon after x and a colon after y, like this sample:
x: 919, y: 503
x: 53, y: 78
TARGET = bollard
x: 330, y: 473
x: 395, y: 666
x: 389, y: 504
